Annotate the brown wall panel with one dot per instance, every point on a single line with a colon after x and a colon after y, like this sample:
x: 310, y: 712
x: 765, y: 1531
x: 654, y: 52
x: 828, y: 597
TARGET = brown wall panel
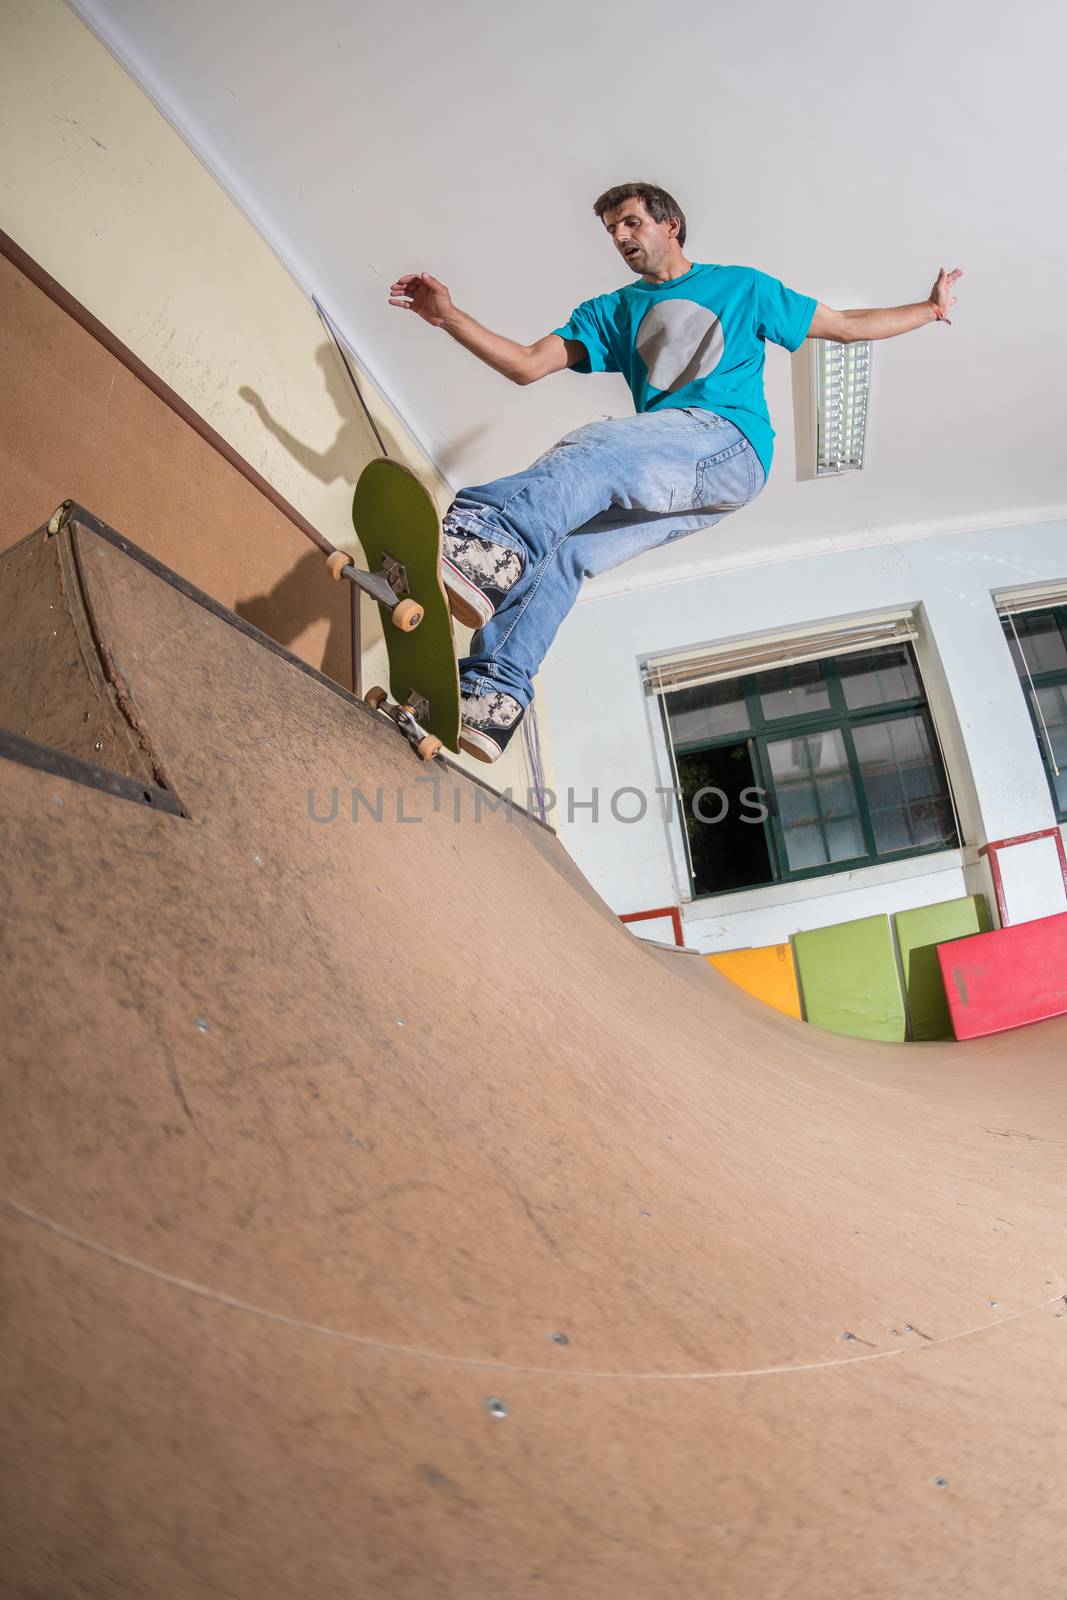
x: 76, y: 422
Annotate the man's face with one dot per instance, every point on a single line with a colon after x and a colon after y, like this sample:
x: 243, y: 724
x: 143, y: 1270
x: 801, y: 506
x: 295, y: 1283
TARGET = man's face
x: 643, y: 243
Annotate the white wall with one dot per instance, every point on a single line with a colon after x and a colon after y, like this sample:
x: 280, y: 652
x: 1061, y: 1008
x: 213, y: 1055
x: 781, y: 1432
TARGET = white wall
x: 608, y: 734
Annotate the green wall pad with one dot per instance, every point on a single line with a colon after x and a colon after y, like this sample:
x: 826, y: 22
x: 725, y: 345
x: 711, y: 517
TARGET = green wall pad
x: 919, y: 933
x: 849, y: 979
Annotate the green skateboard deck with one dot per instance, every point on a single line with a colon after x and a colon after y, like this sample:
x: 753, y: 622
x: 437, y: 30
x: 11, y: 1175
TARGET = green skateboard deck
x: 398, y: 527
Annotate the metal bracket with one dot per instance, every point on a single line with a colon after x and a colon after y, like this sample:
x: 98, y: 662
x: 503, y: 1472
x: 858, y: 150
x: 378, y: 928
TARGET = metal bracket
x: 59, y: 518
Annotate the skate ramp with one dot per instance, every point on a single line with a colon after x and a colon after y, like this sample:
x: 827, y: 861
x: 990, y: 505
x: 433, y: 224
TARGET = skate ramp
x: 381, y: 1218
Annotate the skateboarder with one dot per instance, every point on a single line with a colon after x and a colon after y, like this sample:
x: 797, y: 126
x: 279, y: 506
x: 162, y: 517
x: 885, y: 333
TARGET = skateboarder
x: 689, y: 340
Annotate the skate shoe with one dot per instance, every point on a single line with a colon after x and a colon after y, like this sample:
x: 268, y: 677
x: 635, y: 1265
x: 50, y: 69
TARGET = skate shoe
x: 488, y: 718
x: 477, y: 574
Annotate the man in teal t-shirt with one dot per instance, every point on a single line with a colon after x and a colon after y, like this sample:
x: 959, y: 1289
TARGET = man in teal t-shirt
x: 697, y: 340
x: 689, y: 340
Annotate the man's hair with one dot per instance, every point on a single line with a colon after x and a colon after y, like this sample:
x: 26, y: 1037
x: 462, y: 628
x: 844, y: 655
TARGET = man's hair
x: 660, y: 205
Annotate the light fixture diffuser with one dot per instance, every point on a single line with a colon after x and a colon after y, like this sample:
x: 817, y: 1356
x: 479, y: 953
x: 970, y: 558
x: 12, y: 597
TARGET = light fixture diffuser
x: 842, y: 377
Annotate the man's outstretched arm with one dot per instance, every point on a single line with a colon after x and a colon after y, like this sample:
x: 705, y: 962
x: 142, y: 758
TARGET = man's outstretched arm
x: 847, y: 326
x: 522, y: 363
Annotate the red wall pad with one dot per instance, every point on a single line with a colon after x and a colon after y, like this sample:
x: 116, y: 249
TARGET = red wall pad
x: 1004, y: 979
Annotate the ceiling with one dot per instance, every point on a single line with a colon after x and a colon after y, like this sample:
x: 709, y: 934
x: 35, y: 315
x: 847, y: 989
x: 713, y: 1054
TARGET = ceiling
x: 850, y: 151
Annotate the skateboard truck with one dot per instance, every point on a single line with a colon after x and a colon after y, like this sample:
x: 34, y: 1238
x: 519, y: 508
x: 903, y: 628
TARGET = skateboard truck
x: 408, y: 718
x: 389, y: 587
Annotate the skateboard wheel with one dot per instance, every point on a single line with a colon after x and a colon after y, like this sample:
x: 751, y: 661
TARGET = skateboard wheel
x: 374, y: 697
x: 427, y: 748
x: 407, y: 615
x: 336, y: 564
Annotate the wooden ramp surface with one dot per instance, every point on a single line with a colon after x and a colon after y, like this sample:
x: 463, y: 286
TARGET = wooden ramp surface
x: 380, y: 1218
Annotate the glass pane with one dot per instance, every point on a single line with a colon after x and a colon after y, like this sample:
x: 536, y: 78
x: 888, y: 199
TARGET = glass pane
x: 792, y: 691
x: 931, y: 821
x: 816, y: 797
x: 1041, y: 640
x: 721, y: 808
x: 706, y: 712
x: 876, y: 677
x: 906, y: 791
x: 1053, y: 703
x: 846, y: 839
x: 891, y: 831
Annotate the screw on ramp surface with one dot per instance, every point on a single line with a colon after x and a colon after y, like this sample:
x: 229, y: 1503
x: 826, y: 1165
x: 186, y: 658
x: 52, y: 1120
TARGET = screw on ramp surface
x: 381, y: 1218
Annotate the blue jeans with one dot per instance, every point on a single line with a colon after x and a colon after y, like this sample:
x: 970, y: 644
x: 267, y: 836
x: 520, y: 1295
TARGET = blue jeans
x: 602, y: 495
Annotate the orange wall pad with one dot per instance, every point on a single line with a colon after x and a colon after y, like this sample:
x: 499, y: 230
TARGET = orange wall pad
x: 1000, y: 980
x: 767, y: 971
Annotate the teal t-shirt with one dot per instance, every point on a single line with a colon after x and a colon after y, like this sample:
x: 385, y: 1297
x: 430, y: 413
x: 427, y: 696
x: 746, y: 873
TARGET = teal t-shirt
x: 695, y: 341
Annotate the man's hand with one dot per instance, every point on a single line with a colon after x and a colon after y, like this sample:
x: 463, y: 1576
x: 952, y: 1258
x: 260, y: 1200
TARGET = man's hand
x: 419, y: 292
x: 522, y: 363
x: 845, y: 327
x: 941, y: 297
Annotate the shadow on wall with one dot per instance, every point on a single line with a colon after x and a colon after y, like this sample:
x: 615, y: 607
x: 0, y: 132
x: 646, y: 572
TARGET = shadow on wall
x: 354, y: 445
x: 305, y: 595
x: 299, y: 599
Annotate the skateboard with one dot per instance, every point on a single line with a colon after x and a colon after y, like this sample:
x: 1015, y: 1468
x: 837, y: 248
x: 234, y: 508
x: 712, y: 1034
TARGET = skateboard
x: 398, y: 526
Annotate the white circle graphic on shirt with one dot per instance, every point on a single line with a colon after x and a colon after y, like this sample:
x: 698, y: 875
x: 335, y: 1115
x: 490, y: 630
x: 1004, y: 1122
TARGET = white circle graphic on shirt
x: 679, y: 341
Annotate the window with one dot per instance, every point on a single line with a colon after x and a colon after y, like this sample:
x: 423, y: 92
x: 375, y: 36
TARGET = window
x: 1038, y: 644
x: 796, y: 771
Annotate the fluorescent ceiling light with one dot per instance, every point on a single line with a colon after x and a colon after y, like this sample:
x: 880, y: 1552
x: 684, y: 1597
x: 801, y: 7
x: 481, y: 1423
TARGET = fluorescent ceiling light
x: 842, y: 376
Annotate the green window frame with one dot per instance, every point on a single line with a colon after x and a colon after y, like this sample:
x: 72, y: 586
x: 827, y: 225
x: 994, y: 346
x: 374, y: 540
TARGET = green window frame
x: 1049, y: 689
x: 846, y: 730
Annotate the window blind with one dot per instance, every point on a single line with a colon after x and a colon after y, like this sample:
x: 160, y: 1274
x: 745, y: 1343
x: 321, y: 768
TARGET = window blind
x: 691, y: 668
x: 1038, y: 597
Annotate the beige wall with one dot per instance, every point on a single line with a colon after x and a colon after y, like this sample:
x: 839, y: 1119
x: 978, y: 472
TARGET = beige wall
x: 99, y: 189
